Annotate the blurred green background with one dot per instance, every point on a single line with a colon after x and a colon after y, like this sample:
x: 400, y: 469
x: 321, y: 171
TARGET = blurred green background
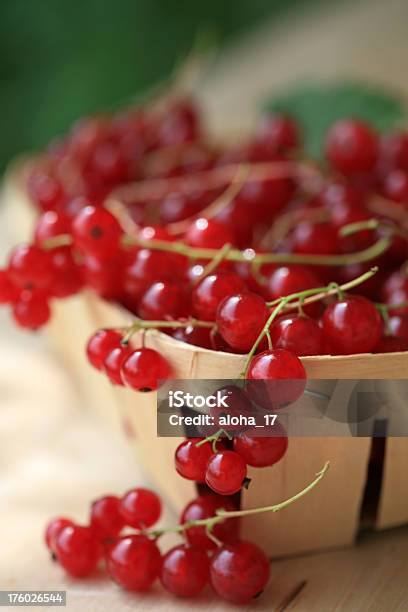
x: 60, y: 59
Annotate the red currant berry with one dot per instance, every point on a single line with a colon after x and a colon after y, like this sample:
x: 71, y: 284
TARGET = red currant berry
x: 391, y: 344
x: 283, y: 376
x: 394, y: 150
x: 164, y: 300
x: 106, y: 520
x: 208, y: 233
x: 212, y: 290
x: 226, y: 472
x: 351, y: 146
x: 150, y: 266
x: 113, y: 363
x: 140, y: 508
x: 49, y: 225
x: 299, y: 334
x: 286, y: 280
x: 191, y: 460
x: 100, y: 345
x: 45, y: 190
x: 144, y: 368
x: 104, y: 276
x: 239, y: 572
x: 398, y: 326
x: 395, y: 186
x: 278, y: 132
x: 185, y: 570
x: 240, y: 319
x: 179, y: 124
x: 53, y: 529
x: 96, y: 232
x: 29, y: 267
x: 178, y: 206
x: 77, y: 550
x: 262, y: 451
x: 8, y: 291
x: 31, y: 310
x: 352, y: 325
x: 204, y: 507
x: 197, y: 336
x: 66, y: 273
x: 314, y: 239
x: 134, y: 562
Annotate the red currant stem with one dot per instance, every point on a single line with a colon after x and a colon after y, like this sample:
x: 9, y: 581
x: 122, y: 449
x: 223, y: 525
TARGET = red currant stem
x: 217, y: 205
x: 221, y: 514
x: 389, y: 307
x: 215, y: 178
x: 268, y: 337
x: 56, y: 241
x: 145, y: 325
x: 318, y: 293
x: 264, y: 332
x: 352, y: 228
x: 302, y: 297
x: 212, y: 265
x: 383, y: 310
x: 214, y: 439
x: 281, y: 505
x: 250, y: 256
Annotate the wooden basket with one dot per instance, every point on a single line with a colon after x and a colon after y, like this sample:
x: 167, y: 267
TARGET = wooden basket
x: 327, y: 518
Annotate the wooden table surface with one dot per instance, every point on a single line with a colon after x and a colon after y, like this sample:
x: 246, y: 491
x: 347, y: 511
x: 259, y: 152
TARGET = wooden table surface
x: 54, y: 457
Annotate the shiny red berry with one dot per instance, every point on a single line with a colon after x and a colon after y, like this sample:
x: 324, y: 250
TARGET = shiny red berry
x: 54, y: 527
x: 275, y: 378
x: 299, y: 334
x: 96, y: 232
x: 31, y: 310
x: 210, y: 291
x: 391, y: 344
x: 164, y: 300
x: 140, y: 508
x: 49, y: 225
x: 144, y: 369
x: 8, y: 291
x: 226, y: 472
x: 352, y: 325
x: 100, y: 345
x: 191, y: 460
x: 239, y: 572
x: 204, y: 507
x: 198, y: 336
x: 398, y: 326
x: 286, y: 280
x: 29, y: 267
x: 208, y: 233
x: 185, y: 570
x: 351, y: 146
x: 77, y: 550
x: 66, y: 273
x: 134, y: 562
x: 113, y: 363
x: 240, y: 319
x: 106, y: 520
x: 262, y: 451
x: 395, y: 186
x: 394, y: 150
x: 278, y: 132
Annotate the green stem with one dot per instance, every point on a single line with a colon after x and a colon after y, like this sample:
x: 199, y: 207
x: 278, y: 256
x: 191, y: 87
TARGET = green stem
x: 213, y: 439
x: 212, y: 265
x: 250, y: 256
x: 222, y: 514
x: 142, y: 324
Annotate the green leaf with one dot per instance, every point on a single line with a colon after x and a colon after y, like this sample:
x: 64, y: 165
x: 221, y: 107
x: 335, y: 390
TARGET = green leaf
x: 316, y: 106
